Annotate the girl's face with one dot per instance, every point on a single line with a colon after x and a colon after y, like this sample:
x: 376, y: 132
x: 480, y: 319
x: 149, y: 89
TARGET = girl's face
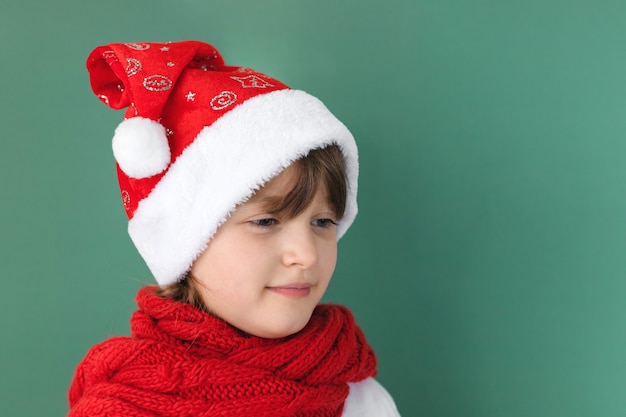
x: 264, y: 274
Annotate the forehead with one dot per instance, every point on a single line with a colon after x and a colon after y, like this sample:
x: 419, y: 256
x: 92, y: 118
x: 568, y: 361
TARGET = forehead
x: 277, y: 187
x: 289, y: 192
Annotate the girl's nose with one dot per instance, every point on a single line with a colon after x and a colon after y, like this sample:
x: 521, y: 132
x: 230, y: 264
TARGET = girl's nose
x: 299, y: 247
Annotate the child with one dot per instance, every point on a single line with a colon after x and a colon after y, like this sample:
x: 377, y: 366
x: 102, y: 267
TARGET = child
x: 237, y: 189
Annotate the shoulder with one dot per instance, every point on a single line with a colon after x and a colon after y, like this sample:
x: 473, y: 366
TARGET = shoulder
x: 111, y: 353
x: 101, y: 362
x: 369, y: 398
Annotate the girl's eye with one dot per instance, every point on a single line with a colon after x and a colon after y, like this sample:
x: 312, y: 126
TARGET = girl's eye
x: 325, y: 223
x: 264, y: 222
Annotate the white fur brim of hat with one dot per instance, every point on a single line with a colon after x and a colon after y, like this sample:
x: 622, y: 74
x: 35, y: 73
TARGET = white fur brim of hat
x: 223, y: 167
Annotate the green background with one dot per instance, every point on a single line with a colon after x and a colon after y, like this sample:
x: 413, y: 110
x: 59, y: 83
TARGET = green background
x: 487, y: 265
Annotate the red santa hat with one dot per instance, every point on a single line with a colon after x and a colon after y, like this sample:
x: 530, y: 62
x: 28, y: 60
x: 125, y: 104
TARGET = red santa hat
x: 198, y: 138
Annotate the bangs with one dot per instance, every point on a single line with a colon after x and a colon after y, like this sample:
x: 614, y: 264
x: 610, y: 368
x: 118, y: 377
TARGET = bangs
x: 322, y: 170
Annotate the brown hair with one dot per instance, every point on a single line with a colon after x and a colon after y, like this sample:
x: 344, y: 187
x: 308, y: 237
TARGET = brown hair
x: 184, y: 291
x: 321, y: 169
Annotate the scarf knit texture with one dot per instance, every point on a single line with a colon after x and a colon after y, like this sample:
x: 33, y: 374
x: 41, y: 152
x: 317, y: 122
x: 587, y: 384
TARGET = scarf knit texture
x: 183, y: 362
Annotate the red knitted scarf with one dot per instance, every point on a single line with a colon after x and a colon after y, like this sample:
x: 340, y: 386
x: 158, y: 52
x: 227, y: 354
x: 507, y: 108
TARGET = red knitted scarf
x: 183, y: 362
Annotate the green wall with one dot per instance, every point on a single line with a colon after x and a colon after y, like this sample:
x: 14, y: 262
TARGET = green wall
x: 487, y: 265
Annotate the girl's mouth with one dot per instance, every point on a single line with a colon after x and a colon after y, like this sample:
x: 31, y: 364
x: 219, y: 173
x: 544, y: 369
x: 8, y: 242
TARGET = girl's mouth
x: 292, y: 290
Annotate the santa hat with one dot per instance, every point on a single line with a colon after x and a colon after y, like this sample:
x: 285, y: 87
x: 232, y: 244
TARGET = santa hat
x: 199, y: 138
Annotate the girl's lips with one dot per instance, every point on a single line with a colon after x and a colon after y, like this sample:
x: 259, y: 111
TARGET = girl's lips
x: 300, y: 290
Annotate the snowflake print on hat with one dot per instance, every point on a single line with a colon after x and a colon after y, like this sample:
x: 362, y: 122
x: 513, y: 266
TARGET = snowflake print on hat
x: 252, y: 81
x: 126, y: 200
x: 133, y: 67
x: 109, y: 55
x: 138, y: 46
x: 157, y: 83
x: 223, y: 100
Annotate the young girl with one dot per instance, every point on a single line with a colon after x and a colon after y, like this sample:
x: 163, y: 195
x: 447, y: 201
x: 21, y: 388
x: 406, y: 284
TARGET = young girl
x: 237, y: 189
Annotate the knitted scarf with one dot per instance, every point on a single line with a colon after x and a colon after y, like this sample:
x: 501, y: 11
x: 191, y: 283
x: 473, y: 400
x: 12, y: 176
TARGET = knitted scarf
x: 181, y: 361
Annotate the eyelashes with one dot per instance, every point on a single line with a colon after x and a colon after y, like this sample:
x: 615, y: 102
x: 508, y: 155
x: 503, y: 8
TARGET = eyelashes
x: 264, y: 223
x: 268, y: 222
x: 325, y: 223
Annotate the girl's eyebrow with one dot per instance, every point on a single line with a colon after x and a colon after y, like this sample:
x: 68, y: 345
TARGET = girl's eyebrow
x: 264, y: 201
x: 270, y: 201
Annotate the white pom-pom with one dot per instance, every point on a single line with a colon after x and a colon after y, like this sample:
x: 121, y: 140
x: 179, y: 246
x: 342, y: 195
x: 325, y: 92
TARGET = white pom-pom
x: 140, y: 147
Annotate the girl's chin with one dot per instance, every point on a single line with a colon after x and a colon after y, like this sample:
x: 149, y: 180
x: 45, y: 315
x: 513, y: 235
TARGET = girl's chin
x: 279, y: 332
